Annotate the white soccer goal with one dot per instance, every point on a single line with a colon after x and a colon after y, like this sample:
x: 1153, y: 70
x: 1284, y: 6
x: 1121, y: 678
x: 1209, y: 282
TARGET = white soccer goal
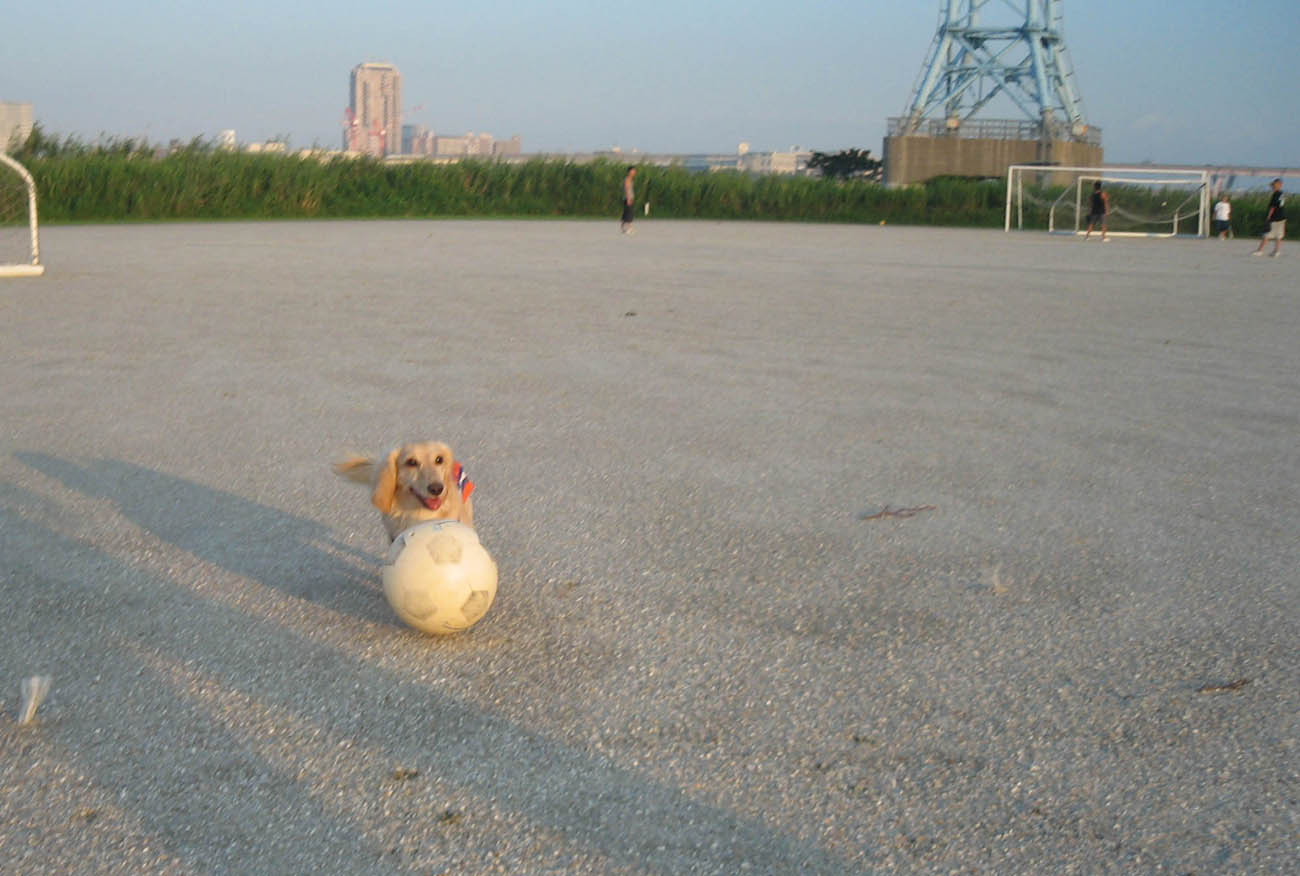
x: 20, y: 249
x: 1144, y: 201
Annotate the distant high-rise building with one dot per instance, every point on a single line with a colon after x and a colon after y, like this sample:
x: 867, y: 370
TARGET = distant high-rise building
x: 16, y: 123
x: 374, y: 111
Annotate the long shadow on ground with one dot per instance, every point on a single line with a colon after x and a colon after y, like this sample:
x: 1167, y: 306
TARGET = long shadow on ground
x: 292, y: 554
x: 595, y: 805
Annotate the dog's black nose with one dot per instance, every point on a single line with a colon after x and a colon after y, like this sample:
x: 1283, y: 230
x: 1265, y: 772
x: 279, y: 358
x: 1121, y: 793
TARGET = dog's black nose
x: 435, y: 489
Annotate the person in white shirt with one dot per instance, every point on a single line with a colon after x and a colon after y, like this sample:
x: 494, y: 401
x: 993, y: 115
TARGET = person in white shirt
x: 1223, y: 217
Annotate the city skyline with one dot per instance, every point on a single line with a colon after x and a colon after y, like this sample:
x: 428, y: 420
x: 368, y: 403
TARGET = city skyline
x: 578, y: 76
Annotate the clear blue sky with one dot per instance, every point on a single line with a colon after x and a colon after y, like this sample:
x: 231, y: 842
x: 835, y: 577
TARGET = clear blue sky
x: 1210, y: 82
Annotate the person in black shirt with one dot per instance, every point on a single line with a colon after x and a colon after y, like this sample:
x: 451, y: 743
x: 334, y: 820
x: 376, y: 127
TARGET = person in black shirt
x: 1276, y: 221
x: 1098, y: 207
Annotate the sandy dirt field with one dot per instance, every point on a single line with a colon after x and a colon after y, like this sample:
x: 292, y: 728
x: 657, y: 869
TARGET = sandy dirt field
x: 822, y: 550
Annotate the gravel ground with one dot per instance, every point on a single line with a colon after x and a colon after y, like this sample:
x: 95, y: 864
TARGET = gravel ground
x: 822, y: 550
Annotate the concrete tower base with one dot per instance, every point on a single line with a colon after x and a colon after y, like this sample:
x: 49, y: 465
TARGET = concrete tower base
x: 915, y: 159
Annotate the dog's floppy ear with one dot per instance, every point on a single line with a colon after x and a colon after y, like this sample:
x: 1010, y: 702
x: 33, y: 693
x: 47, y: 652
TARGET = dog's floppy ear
x: 385, y: 495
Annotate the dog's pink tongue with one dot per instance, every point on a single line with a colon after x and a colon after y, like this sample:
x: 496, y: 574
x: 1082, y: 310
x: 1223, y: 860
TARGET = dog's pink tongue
x: 433, y: 503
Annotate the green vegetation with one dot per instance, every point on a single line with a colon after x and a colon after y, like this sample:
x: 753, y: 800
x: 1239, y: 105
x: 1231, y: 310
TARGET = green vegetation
x: 125, y: 180
x: 847, y: 164
x: 194, y: 184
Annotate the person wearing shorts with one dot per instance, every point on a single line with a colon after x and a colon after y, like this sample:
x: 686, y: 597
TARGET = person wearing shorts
x: 1098, y: 208
x: 1276, y: 221
x: 1222, y: 224
x: 629, y: 198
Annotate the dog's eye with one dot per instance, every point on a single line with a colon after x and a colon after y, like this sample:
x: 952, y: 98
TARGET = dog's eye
x: 411, y: 462
x: 437, y: 460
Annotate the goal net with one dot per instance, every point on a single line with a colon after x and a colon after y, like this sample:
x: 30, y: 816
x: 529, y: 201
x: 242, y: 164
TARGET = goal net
x: 1144, y: 201
x: 20, y: 254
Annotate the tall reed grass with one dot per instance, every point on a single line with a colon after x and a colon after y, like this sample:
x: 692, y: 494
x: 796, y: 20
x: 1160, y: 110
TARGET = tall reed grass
x: 128, y: 183
x: 126, y: 180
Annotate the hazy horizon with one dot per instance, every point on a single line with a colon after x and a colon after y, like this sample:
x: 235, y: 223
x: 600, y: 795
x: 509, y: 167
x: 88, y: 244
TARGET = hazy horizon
x: 1204, y: 86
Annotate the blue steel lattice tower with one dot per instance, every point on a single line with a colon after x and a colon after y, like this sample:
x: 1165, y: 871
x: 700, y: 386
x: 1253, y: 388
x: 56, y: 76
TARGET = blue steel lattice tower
x: 991, y: 55
x: 974, y: 60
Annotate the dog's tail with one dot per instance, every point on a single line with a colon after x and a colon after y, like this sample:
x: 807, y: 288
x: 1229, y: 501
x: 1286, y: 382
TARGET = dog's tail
x: 356, y: 468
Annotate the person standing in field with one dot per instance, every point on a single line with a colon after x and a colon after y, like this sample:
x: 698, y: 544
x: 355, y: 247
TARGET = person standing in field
x: 1098, y: 209
x: 1223, y: 216
x: 1276, y: 221
x: 629, y: 198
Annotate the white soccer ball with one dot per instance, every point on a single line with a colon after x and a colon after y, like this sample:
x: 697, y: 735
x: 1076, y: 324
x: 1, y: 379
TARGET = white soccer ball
x: 439, y: 578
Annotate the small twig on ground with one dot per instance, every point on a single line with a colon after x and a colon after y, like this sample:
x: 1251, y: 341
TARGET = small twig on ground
x: 1223, y: 688
x: 898, y: 512
x: 35, y: 689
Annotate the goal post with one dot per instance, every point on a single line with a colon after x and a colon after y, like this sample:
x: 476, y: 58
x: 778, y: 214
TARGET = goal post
x: 20, y: 247
x: 1144, y: 201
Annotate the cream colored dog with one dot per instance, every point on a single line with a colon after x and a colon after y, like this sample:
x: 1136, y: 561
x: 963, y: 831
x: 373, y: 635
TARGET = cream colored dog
x: 415, y: 483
